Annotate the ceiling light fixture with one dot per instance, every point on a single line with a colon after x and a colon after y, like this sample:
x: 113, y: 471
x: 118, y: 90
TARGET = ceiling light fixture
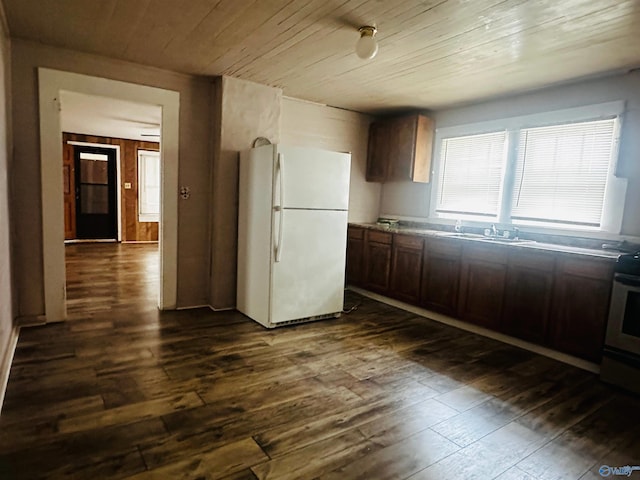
x: 366, y: 46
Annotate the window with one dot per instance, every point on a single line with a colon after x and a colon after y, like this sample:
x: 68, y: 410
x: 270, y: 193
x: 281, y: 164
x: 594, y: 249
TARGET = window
x: 548, y: 175
x: 471, y: 174
x: 148, y: 186
x: 561, y: 173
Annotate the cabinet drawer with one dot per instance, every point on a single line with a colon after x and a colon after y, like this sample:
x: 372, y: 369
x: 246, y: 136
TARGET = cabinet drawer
x: 355, y: 233
x: 408, y: 241
x: 488, y: 253
x: 379, y: 237
x: 533, y: 260
x: 444, y: 247
x: 598, y: 269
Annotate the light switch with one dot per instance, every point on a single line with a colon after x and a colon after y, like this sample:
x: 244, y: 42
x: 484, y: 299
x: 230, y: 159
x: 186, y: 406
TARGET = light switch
x: 127, y: 185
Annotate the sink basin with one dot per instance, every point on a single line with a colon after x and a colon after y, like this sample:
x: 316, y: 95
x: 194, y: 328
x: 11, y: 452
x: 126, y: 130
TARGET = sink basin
x: 464, y: 235
x: 478, y: 236
x: 507, y: 240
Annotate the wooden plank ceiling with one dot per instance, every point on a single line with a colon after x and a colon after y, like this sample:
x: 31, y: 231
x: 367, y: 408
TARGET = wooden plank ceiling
x: 433, y: 53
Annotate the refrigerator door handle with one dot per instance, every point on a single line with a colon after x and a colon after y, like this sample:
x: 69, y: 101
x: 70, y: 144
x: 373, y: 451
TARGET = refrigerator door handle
x: 278, y: 208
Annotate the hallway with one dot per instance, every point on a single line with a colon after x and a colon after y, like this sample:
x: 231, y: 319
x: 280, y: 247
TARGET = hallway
x: 104, y: 277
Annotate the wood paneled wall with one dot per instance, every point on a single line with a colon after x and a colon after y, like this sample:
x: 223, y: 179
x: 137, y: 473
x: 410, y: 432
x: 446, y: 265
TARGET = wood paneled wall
x: 132, y: 229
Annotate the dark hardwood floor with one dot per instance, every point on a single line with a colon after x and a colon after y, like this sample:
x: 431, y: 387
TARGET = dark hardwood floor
x: 124, y: 391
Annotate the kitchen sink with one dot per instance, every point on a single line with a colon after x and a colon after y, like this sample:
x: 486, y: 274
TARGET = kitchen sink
x: 464, y: 235
x: 478, y: 236
x: 507, y: 240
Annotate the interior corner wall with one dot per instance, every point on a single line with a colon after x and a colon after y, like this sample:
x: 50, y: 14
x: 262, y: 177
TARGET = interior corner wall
x: 7, y: 293
x: 246, y: 110
x: 307, y: 124
x: 194, y: 154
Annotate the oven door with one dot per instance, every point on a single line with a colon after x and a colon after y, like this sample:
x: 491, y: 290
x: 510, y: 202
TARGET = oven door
x: 623, y: 327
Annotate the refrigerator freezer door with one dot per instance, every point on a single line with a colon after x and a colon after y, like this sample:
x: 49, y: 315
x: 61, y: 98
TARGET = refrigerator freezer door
x: 309, y: 278
x: 312, y: 178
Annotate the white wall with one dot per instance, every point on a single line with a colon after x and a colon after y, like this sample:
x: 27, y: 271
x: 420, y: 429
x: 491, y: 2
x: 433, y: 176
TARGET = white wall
x: 412, y: 200
x: 243, y: 111
x: 307, y: 124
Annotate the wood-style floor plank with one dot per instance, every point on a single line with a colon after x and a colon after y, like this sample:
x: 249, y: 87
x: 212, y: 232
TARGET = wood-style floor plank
x: 122, y: 390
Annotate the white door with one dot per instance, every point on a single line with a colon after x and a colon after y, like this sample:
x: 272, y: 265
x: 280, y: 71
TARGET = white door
x: 313, y: 178
x: 308, y: 279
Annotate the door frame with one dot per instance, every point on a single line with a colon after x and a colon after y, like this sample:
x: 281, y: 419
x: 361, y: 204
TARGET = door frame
x: 118, y: 175
x: 113, y: 186
x: 50, y: 84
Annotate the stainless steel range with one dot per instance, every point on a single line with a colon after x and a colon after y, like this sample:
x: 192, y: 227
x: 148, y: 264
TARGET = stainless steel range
x: 621, y: 356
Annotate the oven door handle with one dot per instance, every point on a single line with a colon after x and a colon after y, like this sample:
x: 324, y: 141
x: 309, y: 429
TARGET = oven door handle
x: 628, y: 280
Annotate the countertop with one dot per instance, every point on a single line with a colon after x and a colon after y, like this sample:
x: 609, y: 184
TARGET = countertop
x: 525, y: 245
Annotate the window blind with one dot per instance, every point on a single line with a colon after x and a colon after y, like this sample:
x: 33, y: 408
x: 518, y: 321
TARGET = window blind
x: 561, y: 173
x: 471, y: 174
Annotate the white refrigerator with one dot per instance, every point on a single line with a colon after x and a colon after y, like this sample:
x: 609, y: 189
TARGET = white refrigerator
x: 292, y: 234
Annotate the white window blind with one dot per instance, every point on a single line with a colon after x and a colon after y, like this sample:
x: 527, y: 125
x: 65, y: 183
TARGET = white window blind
x: 148, y: 186
x: 471, y: 174
x: 561, y: 173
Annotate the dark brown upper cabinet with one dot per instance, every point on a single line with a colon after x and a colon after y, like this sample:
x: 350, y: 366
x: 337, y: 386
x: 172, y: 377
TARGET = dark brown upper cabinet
x: 400, y: 149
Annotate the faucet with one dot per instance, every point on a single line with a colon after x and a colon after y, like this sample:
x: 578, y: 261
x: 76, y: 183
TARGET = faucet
x: 494, y: 230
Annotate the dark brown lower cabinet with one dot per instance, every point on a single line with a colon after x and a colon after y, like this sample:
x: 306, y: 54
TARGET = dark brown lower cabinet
x: 406, y: 267
x: 580, y: 306
x: 527, y: 299
x: 355, y: 256
x: 555, y: 299
x: 377, y: 256
x: 482, y: 285
x: 441, y: 275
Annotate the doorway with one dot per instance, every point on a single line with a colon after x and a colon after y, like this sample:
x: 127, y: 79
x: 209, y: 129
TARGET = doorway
x: 95, y: 193
x: 51, y: 84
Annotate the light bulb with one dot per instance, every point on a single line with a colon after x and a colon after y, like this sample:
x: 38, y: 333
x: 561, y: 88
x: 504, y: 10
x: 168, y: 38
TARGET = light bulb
x: 366, y: 46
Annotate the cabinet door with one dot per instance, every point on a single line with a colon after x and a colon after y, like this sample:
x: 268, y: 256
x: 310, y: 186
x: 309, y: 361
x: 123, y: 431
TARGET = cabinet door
x: 528, y: 292
x: 406, y: 268
x: 441, y: 275
x: 378, y: 153
x: 482, y: 285
x: 400, y: 149
x: 580, y: 307
x: 355, y: 256
x: 402, y: 144
x: 378, y: 261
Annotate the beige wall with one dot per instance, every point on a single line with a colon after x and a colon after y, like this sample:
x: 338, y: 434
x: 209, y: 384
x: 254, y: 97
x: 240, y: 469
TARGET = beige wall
x: 246, y: 110
x: 6, y: 292
x: 194, y: 157
x: 412, y: 200
x: 308, y: 124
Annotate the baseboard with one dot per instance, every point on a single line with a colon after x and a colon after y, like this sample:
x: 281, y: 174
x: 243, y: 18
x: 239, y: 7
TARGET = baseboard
x: 5, y: 363
x: 31, y: 321
x: 192, y: 307
x: 501, y: 337
x: 225, y: 309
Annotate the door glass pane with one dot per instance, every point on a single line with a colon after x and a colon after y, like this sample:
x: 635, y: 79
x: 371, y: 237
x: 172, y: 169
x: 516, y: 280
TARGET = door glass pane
x: 93, y: 171
x: 94, y: 199
x: 631, y: 322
